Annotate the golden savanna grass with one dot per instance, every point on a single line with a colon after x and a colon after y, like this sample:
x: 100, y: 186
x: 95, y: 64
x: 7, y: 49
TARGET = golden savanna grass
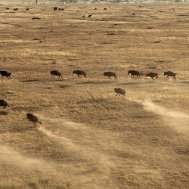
x: 90, y: 138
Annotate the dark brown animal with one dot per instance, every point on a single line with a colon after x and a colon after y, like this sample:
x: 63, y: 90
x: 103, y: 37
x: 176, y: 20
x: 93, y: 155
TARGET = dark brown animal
x: 55, y: 8
x: 105, y: 8
x: 5, y: 74
x: 170, y: 74
x: 152, y: 75
x: 134, y: 73
x: 79, y: 73
x: 90, y: 15
x: 3, y: 103
x: 110, y: 74
x: 119, y: 91
x: 15, y: 9
x: 32, y: 118
x: 55, y: 73
x: 27, y: 9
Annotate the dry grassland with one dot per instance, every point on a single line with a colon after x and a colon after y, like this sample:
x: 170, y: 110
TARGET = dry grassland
x: 89, y: 138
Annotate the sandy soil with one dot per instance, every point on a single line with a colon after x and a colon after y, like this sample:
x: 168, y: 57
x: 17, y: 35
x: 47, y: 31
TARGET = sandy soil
x: 90, y: 138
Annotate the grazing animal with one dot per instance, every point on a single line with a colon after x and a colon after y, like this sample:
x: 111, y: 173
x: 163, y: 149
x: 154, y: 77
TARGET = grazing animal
x: 134, y: 73
x: 15, y: 9
x: 5, y: 74
x: 55, y: 73
x: 55, y: 8
x: 105, y: 8
x: 7, y: 8
x: 32, y: 118
x: 3, y: 103
x: 119, y: 91
x: 61, y: 9
x: 90, y: 15
x: 95, y: 8
x: 27, y: 9
x: 110, y: 74
x: 152, y: 75
x: 79, y: 73
x: 170, y: 74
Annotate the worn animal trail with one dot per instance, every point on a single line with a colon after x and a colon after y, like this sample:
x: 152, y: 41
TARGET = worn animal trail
x: 150, y: 106
x: 65, y: 141
x: 12, y: 157
x: 177, y: 120
x: 74, y: 148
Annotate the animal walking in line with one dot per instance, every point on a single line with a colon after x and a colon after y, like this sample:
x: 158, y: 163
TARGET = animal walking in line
x: 5, y: 74
x: 79, y: 73
x: 170, y: 74
x: 134, y: 73
x: 3, y: 103
x: 32, y: 118
x: 110, y: 74
x: 119, y: 91
x: 152, y: 75
x: 55, y: 73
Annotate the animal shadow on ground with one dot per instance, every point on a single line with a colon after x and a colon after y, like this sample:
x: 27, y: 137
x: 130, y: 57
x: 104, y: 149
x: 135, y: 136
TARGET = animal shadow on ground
x: 19, y: 129
x: 95, y: 82
x: 92, y: 99
x: 22, y: 108
x: 31, y: 80
x: 41, y: 80
x: 3, y: 113
x: 64, y: 86
x: 129, y: 83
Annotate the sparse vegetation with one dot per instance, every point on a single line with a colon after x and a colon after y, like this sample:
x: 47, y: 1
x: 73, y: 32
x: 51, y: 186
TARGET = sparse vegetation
x: 89, y: 138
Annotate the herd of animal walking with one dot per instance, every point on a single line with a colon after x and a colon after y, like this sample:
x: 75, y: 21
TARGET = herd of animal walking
x: 80, y: 73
